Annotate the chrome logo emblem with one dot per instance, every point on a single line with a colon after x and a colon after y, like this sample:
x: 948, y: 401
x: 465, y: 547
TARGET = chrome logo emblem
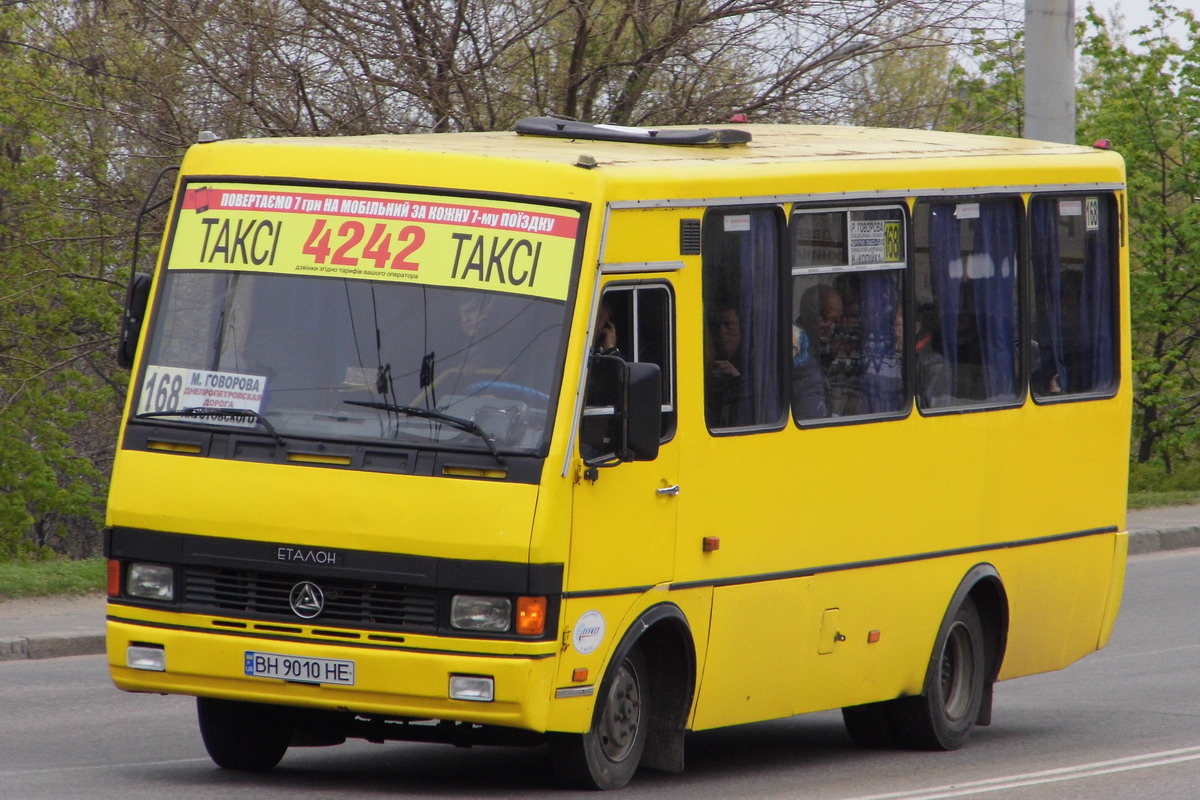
x: 307, y: 599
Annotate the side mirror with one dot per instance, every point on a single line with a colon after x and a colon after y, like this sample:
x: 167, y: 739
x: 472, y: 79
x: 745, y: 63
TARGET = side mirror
x: 643, y: 412
x: 622, y: 415
x: 131, y: 320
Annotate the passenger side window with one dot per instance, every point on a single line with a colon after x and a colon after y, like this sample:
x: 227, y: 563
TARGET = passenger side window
x: 1074, y: 258
x: 743, y: 311
x: 847, y: 312
x: 966, y: 293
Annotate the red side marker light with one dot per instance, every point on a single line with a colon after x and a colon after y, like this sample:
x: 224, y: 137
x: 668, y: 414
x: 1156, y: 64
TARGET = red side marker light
x: 712, y: 543
x: 739, y: 118
x: 872, y: 637
x: 114, y: 578
x: 1103, y: 144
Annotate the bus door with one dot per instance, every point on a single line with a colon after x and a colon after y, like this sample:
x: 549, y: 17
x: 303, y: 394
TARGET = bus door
x: 623, y: 526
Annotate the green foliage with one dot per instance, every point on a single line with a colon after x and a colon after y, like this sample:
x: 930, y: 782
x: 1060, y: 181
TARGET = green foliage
x: 908, y: 87
x: 1146, y: 99
x: 990, y: 99
x: 57, y: 312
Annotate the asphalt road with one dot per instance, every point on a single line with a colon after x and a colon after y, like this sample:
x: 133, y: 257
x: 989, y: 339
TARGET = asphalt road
x: 1123, y: 723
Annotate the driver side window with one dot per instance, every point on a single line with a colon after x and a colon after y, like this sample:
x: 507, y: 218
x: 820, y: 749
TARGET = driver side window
x: 634, y: 322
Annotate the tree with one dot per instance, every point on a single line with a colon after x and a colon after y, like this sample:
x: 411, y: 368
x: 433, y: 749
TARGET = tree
x: 1146, y: 99
x: 990, y: 97
x: 56, y: 317
x: 338, y: 66
x: 97, y: 96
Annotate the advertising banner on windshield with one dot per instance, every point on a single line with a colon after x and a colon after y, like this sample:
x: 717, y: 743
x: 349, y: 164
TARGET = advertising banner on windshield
x: 519, y: 248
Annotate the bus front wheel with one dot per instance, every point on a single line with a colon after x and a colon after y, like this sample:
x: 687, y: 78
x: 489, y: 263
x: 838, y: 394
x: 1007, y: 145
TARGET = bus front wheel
x: 242, y: 736
x: 943, y: 717
x: 607, y: 756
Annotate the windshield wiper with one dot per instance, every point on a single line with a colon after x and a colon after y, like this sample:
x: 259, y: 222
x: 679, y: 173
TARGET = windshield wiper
x: 458, y: 422
x: 210, y: 411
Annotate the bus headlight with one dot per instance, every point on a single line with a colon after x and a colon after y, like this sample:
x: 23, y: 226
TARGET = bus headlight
x: 476, y: 613
x: 150, y: 581
x: 476, y: 688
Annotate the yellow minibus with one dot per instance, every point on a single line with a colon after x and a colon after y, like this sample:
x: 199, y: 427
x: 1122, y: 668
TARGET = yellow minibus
x: 590, y: 436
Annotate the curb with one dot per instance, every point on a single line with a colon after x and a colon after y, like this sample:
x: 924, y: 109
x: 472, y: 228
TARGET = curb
x: 1154, y: 541
x: 50, y: 645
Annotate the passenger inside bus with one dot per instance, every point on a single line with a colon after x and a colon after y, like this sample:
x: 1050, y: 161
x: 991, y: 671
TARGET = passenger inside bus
x: 810, y: 390
x: 932, y: 390
x: 724, y: 369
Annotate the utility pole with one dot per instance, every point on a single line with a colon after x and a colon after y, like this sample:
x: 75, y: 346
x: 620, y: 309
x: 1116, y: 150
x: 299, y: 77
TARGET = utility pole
x: 1050, y: 70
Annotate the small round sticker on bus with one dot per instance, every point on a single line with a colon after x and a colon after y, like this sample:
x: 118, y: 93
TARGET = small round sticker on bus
x: 589, y: 632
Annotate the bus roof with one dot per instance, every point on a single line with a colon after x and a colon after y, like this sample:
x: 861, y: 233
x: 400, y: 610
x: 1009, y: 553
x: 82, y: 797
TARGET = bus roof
x: 773, y: 152
x: 768, y: 143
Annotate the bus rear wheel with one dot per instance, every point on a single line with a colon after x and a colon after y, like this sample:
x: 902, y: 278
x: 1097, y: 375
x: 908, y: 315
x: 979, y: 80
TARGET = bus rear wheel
x: 248, y: 737
x: 607, y: 756
x: 943, y: 717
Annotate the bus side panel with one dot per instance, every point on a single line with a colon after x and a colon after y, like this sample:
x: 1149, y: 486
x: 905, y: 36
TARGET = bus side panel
x: 756, y: 639
x: 1116, y: 588
x: 1060, y: 596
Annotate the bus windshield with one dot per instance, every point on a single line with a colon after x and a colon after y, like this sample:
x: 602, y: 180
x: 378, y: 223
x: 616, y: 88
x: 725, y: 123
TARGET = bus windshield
x: 306, y: 353
x: 354, y: 353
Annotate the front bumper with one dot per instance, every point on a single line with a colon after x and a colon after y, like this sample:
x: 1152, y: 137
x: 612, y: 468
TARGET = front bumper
x: 405, y: 677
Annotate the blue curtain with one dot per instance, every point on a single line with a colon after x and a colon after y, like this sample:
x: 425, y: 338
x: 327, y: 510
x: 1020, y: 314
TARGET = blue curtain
x: 996, y: 297
x: 759, y: 312
x: 946, y: 271
x: 1096, y: 306
x: 1075, y: 322
x: 882, y: 378
x: 979, y: 285
x: 1047, y: 282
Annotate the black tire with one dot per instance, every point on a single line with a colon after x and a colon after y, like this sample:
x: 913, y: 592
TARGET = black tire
x: 607, y: 756
x: 247, y: 737
x: 943, y: 717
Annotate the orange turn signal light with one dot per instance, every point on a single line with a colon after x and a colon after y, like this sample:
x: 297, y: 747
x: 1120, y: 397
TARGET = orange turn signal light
x: 531, y: 616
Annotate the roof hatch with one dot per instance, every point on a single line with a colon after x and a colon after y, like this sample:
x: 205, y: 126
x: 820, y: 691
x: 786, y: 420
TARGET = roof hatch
x: 565, y: 129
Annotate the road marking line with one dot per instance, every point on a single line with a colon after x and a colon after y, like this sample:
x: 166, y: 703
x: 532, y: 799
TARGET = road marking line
x: 1092, y: 770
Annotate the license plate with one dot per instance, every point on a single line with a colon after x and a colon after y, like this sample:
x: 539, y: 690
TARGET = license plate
x: 299, y: 668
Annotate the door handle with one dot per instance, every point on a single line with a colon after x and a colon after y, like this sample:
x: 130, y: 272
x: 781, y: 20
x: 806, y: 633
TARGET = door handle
x: 668, y: 491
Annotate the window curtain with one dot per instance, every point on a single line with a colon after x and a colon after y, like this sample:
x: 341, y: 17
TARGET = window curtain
x: 982, y: 287
x: 946, y: 274
x: 1096, y: 306
x: 1047, y: 282
x: 996, y: 297
x: 761, y: 323
x: 1075, y: 338
x: 883, y: 377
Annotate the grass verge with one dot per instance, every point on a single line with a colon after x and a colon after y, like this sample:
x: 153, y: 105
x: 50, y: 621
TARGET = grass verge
x: 1182, y: 497
x: 57, y: 576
